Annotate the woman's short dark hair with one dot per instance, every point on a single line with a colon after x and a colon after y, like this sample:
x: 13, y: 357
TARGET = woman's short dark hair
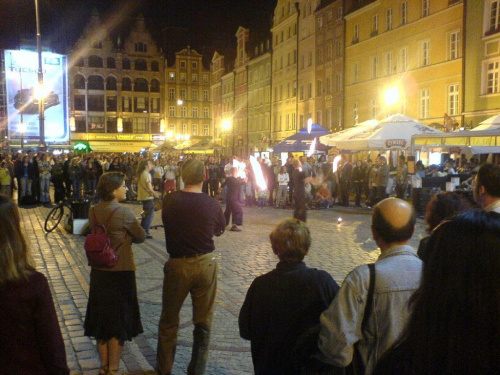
x: 443, y: 206
x: 193, y: 172
x: 108, y: 182
x: 291, y: 240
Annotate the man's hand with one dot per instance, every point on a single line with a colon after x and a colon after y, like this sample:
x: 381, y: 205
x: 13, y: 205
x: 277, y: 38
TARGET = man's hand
x: 156, y: 194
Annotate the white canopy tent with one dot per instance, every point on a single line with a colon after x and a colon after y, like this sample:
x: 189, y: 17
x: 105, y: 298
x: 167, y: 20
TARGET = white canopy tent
x: 392, y: 133
x: 492, y: 123
x: 332, y: 139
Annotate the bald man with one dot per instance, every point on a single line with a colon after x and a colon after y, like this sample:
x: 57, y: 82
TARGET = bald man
x: 344, y: 333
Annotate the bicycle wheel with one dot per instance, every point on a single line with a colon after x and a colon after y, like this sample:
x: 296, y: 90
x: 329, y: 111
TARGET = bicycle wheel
x: 54, y: 218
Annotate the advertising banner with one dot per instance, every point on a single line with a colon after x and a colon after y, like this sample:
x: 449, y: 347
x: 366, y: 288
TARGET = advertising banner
x: 21, y: 77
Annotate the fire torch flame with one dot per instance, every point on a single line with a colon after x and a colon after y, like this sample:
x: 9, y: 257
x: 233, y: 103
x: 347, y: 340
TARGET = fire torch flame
x: 257, y: 171
x: 312, y: 148
x: 240, y: 166
x: 336, y: 163
x: 309, y: 125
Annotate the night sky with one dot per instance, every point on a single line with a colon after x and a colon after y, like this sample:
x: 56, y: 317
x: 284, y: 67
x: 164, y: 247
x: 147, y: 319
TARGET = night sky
x: 206, y: 21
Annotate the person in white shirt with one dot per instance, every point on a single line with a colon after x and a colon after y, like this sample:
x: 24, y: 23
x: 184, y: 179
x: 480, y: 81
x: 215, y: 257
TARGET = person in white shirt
x: 283, y: 179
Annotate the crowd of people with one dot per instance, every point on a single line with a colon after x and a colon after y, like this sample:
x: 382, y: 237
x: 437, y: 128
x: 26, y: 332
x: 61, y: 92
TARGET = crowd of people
x: 425, y: 312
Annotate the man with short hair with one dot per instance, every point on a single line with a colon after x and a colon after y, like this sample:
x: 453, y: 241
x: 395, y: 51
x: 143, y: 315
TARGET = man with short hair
x: 487, y: 187
x: 382, y: 178
x: 401, y: 177
x: 190, y: 220
x: 396, y: 276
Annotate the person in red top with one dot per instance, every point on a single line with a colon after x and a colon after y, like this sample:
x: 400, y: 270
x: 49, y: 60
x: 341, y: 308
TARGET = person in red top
x: 30, y: 340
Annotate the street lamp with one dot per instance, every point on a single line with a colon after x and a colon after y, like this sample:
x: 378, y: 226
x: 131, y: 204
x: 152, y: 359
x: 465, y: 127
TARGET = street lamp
x: 72, y: 123
x: 22, y: 129
x: 119, y: 125
x: 41, y: 101
x: 391, y: 97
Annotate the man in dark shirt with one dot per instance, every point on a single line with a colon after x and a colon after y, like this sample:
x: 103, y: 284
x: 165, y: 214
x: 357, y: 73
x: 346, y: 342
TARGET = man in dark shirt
x: 299, y: 191
x: 283, y: 304
x: 233, y: 206
x: 190, y: 219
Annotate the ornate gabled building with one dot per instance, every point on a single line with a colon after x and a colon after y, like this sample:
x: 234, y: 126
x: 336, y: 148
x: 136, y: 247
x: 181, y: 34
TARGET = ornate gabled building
x: 187, y: 92
x: 116, y: 83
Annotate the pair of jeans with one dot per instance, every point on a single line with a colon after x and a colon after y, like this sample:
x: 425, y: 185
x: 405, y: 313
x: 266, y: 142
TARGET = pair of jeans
x: 25, y: 188
x: 196, y: 276
x: 281, y: 197
x: 76, y: 188
x: 44, y: 190
x: 233, y: 207
x: 148, y: 207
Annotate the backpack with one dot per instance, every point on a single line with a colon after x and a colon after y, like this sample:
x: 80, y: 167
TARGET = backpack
x: 98, y: 244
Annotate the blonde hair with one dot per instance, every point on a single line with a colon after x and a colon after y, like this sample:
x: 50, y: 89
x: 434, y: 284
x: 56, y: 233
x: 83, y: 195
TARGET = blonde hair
x: 16, y: 263
x: 291, y: 240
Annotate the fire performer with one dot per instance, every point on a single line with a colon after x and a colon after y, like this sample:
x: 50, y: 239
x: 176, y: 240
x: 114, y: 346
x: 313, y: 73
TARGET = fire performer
x: 233, y: 207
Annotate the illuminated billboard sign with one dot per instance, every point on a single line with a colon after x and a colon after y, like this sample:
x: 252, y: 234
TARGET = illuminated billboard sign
x: 21, y: 77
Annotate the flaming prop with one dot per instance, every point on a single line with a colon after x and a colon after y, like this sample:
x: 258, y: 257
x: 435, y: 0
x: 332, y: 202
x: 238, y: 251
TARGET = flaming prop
x: 257, y: 171
x: 312, y: 148
x: 336, y: 163
x: 240, y: 166
x: 309, y: 125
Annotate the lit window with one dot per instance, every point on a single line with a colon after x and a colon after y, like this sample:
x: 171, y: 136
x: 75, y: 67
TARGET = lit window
x: 424, y: 103
x: 404, y: 13
x: 492, y: 75
x: 453, y: 100
x: 454, y: 45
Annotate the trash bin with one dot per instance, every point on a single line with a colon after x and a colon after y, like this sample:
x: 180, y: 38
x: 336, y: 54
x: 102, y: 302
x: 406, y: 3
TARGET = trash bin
x: 80, y: 209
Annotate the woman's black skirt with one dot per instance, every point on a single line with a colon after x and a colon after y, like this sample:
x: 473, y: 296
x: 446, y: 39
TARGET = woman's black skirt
x: 113, y: 308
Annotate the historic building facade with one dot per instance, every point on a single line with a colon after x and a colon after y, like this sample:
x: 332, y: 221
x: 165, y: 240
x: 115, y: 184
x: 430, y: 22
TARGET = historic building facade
x: 330, y: 64
x: 284, y: 70
x: 188, y: 101
x: 259, y: 98
x: 482, y: 61
x: 116, y: 88
x: 406, y: 57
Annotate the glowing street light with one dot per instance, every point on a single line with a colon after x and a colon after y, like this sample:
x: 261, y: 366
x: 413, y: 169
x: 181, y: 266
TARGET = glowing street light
x: 72, y: 123
x: 119, y: 125
x: 162, y: 125
x: 391, y: 97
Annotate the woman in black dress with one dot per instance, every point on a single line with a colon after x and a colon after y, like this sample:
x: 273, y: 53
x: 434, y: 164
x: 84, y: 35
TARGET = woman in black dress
x: 113, y: 314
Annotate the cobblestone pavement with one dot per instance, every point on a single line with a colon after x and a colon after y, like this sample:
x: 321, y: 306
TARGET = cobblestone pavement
x: 336, y: 248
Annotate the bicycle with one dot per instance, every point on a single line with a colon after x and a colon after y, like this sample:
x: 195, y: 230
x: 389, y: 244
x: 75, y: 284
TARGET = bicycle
x: 57, y: 213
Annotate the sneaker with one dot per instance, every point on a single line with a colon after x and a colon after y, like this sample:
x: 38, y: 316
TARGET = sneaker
x: 235, y: 228
x: 149, y: 236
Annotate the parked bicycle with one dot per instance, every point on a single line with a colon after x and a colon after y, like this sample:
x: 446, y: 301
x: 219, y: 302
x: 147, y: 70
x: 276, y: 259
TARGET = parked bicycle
x: 64, y: 208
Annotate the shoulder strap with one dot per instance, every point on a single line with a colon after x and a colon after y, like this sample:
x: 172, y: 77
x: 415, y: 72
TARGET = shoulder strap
x: 110, y: 216
x: 369, y: 297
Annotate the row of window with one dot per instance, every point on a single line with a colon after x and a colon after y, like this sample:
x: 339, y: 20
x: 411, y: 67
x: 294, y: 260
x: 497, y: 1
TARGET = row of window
x: 184, y: 129
x: 95, y: 82
x: 139, y: 64
x: 183, y: 94
x: 138, y: 47
x: 183, y: 112
x: 183, y: 77
x: 100, y: 124
x: 100, y: 103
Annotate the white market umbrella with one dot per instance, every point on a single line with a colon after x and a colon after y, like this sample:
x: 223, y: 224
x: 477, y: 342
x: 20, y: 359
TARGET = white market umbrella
x: 393, y: 132
x: 492, y: 123
x: 332, y: 139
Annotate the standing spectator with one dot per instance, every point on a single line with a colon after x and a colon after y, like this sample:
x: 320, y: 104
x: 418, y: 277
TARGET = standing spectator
x: 5, y: 179
x: 170, y: 173
x: 306, y: 167
x: 213, y: 176
x: 401, y: 177
x: 233, y: 206
x: 283, y: 304
x: 67, y: 180
x: 372, y: 182
x: 31, y: 338
x: 58, y: 179
x: 24, y: 174
x: 382, y: 178
x: 345, y: 181
x: 190, y: 219
x: 299, y: 192
x: 358, y: 175
x: 146, y: 194
x: 290, y: 169
x: 271, y: 172
x: 454, y: 327
x: 353, y: 329
x: 283, y: 179
x: 113, y: 314
x: 116, y: 165
x: 10, y: 168
x: 75, y: 175
x: 158, y: 176
x: 487, y: 187
x: 366, y: 180
x: 89, y: 177
x: 35, y: 187
x: 44, y: 168
x: 442, y: 206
